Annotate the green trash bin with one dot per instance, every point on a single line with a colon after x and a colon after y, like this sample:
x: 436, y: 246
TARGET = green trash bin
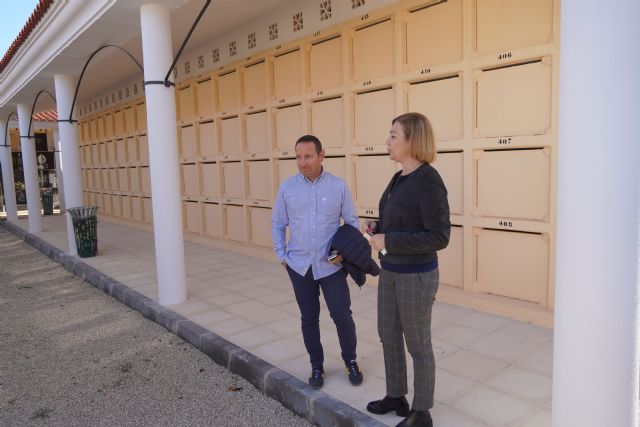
x: 47, y: 202
x: 85, y: 230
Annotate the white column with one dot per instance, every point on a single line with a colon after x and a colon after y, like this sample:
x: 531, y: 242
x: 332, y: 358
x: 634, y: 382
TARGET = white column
x: 30, y: 168
x: 163, y: 155
x: 58, y: 160
x: 69, y: 151
x: 595, y: 375
x: 8, y: 183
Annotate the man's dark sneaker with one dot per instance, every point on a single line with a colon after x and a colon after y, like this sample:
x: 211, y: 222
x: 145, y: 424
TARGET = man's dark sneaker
x: 316, y: 380
x: 417, y: 419
x: 355, y: 376
x: 388, y: 404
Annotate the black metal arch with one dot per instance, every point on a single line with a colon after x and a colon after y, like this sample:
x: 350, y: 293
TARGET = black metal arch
x: 75, y: 95
x: 166, y: 81
x: 184, y: 43
x: 6, y: 128
x: 33, y: 108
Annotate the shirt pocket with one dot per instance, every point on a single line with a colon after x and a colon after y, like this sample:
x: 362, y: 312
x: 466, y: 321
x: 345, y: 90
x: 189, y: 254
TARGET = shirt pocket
x: 329, y: 208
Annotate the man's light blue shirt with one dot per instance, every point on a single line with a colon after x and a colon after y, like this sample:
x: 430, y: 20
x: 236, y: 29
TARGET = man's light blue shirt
x: 312, y: 210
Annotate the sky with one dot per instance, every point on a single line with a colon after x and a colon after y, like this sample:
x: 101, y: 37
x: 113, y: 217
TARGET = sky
x: 13, y: 16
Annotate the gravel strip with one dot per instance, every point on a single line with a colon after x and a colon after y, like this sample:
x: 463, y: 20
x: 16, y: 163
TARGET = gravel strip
x: 71, y: 355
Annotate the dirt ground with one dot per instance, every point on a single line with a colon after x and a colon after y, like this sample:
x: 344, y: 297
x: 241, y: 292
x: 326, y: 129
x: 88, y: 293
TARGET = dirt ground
x: 71, y: 355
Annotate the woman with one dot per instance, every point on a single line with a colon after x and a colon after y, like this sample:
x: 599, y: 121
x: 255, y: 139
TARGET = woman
x: 413, y: 224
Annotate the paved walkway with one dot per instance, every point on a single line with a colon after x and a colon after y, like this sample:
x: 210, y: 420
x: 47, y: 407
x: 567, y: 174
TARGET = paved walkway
x: 491, y: 371
x: 73, y: 356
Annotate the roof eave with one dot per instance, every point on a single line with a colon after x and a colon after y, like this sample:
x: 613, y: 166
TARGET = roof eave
x: 63, y: 23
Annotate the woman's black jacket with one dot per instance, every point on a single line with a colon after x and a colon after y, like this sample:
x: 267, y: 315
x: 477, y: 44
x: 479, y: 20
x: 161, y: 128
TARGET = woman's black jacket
x: 414, y: 217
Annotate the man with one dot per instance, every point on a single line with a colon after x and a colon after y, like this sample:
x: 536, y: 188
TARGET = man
x: 311, y: 203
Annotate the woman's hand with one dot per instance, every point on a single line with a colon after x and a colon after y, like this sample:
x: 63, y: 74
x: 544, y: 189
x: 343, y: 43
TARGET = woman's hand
x: 377, y: 242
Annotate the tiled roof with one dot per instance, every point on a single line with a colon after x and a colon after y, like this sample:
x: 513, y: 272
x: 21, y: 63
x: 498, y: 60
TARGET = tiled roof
x: 46, y: 116
x: 32, y: 22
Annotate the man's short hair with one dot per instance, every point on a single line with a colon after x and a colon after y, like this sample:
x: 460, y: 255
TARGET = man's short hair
x: 310, y: 138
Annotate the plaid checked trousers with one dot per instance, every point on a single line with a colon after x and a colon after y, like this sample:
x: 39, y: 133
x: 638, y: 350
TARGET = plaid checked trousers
x: 405, y: 301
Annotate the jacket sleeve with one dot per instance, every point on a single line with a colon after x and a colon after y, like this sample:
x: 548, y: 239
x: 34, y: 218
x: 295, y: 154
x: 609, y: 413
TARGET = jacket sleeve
x: 434, y: 213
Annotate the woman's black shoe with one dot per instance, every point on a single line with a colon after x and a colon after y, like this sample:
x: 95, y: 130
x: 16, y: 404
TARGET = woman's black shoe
x: 417, y: 419
x: 388, y: 404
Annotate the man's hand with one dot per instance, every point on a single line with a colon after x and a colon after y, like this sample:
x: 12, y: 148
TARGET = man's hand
x: 284, y: 263
x: 337, y: 260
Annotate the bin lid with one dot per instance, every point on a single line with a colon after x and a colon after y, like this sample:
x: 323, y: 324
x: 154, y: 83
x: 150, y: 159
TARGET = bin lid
x: 82, y: 211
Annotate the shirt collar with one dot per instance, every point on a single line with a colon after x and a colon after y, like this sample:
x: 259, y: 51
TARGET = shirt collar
x: 318, y: 179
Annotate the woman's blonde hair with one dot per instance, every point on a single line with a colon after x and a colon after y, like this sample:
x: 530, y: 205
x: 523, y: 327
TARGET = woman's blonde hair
x: 419, y: 133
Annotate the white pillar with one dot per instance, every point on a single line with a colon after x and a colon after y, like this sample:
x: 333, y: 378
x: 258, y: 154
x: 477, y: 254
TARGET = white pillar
x: 8, y: 182
x: 163, y: 154
x: 595, y: 370
x: 69, y: 151
x: 30, y: 168
x: 58, y: 160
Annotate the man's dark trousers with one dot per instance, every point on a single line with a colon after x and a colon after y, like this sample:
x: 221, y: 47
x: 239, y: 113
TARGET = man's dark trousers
x: 336, y: 295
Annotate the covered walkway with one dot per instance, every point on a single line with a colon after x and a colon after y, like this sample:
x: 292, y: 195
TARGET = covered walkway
x: 491, y: 371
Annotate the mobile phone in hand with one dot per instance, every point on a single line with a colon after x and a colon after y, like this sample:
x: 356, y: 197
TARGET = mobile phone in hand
x: 368, y: 235
x: 371, y: 228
